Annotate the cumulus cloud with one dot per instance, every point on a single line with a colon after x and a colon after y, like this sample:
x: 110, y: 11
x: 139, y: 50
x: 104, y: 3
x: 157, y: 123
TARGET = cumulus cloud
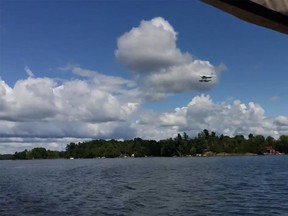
x: 97, y: 106
x: 281, y: 121
x: 178, y: 79
x: 224, y: 118
x: 150, y: 47
x: 150, y: 51
x: 43, y: 99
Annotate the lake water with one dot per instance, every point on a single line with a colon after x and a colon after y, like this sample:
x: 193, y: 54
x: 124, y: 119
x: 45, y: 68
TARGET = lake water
x: 244, y: 185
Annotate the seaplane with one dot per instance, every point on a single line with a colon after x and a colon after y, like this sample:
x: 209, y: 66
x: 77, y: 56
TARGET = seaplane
x: 205, y: 79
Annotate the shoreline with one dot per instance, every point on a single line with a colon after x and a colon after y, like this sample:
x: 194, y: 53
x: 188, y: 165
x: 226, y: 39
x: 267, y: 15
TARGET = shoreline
x: 222, y: 154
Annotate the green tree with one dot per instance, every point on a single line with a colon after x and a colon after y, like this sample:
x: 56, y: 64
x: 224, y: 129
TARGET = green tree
x: 39, y: 153
x: 282, y: 144
x: 270, y: 141
x: 21, y: 155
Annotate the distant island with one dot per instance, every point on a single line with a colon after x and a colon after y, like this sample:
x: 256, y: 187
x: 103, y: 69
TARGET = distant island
x: 204, y: 144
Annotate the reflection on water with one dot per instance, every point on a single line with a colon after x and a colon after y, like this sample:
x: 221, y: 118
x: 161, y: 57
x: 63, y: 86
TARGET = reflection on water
x: 252, y: 185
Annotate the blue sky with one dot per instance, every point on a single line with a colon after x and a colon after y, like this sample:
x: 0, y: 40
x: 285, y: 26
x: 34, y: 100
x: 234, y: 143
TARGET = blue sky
x: 56, y: 55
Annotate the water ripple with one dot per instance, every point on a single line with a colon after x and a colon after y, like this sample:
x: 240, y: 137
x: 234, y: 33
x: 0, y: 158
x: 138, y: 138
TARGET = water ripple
x: 145, y: 186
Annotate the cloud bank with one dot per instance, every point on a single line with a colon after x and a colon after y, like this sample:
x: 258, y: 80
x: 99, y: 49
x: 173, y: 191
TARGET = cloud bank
x: 49, y: 112
x: 45, y: 112
x: 80, y: 108
x: 229, y: 118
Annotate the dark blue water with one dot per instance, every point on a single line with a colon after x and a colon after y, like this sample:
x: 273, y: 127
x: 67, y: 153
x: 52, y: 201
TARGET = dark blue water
x: 246, y: 185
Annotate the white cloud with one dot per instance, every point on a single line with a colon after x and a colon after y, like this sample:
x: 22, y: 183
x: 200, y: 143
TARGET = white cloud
x: 181, y: 78
x: 150, y: 51
x: 202, y: 113
x: 43, y: 99
x: 150, y: 47
x: 13, y: 144
x: 28, y: 71
x: 124, y: 88
x: 281, y: 120
x: 95, y: 107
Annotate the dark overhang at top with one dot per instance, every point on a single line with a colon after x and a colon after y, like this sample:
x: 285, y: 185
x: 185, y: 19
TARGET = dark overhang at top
x: 271, y: 14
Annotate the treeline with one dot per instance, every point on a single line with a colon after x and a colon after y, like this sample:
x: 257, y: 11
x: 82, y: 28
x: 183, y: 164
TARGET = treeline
x: 6, y: 156
x: 205, y: 143
x: 39, y: 153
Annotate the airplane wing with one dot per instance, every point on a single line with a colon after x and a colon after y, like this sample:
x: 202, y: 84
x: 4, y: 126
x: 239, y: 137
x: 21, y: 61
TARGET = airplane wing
x: 206, y: 77
x: 272, y: 14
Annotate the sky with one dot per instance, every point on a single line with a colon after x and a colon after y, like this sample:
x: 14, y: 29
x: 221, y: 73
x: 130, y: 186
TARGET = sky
x: 74, y: 70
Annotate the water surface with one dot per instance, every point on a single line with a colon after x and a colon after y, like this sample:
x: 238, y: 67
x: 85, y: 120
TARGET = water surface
x: 245, y: 185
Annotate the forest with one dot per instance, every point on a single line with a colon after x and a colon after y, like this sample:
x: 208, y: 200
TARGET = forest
x: 204, y: 144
